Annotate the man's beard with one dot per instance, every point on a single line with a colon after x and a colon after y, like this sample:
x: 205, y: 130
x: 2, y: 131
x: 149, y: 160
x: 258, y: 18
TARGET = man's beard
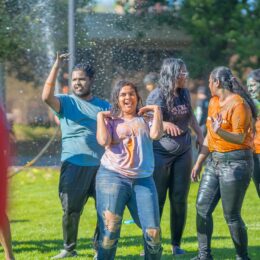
x: 83, y: 94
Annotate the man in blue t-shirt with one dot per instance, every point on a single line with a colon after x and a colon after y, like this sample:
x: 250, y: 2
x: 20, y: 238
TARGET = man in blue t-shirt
x: 80, y: 151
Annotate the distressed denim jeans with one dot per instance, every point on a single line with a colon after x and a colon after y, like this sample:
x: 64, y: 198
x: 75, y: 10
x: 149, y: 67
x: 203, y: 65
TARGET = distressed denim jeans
x: 226, y: 177
x: 113, y: 193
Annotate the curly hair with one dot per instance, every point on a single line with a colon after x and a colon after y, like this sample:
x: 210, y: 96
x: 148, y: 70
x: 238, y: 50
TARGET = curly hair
x: 169, y: 75
x: 115, y: 109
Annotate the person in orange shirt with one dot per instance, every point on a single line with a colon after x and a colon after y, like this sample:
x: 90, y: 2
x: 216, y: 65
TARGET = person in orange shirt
x: 253, y: 85
x: 228, y: 170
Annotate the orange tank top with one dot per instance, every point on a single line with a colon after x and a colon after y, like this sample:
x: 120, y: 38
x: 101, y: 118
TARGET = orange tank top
x: 237, y: 118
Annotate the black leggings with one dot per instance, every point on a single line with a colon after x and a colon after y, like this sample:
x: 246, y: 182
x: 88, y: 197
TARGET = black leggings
x: 173, y: 172
x: 227, y: 176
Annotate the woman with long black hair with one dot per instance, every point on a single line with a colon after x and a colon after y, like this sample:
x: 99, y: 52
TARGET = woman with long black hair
x: 172, y: 153
x: 227, y: 174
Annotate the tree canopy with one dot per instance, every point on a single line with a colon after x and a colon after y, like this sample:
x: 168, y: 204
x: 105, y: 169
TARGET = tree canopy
x: 222, y: 32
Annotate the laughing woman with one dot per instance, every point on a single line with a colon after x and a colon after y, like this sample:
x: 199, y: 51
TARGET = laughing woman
x: 125, y: 176
x: 227, y: 174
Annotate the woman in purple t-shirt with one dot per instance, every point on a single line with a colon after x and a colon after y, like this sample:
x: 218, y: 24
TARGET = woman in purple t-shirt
x: 125, y: 175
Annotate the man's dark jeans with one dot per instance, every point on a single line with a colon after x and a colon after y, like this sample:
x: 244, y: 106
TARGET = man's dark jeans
x: 77, y: 184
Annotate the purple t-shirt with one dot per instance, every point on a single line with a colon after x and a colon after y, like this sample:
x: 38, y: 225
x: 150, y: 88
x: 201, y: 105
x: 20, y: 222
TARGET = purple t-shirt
x: 130, y: 152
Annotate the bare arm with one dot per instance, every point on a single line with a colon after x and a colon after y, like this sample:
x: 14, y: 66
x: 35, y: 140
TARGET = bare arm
x: 49, y: 86
x: 156, y: 130
x: 195, y: 126
x: 237, y: 138
x: 204, y: 152
x: 103, y: 135
x: 231, y: 137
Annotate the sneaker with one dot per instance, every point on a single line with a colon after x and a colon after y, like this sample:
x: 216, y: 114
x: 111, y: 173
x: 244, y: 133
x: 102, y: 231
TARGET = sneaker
x: 64, y: 253
x: 176, y: 250
x: 95, y: 256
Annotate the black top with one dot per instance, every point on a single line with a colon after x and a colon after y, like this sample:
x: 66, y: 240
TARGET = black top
x: 179, y: 114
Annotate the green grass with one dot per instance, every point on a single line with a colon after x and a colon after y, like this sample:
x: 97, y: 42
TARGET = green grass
x: 32, y: 133
x: 35, y: 214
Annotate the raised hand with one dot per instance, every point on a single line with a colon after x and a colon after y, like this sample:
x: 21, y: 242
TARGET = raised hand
x: 104, y: 114
x: 148, y: 108
x: 216, y: 122
x: 61, y: 58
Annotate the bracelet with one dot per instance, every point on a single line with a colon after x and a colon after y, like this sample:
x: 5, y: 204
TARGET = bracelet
x: 50, y: 84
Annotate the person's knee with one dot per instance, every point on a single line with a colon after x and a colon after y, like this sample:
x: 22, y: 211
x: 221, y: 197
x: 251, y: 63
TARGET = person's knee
x: 233, y: 218
x: 108, y: 243
x: 202, y: 208
x: 112, y: 223
x: 153, y: 240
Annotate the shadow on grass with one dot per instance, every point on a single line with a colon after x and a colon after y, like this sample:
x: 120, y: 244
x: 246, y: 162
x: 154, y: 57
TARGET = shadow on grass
x: 45, y: 246
x: 19, y: 220
x: 220, y: 254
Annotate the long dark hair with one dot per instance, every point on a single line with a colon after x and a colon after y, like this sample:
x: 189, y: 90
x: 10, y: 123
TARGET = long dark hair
x: 169, y: 74
x: 115, y: 109
x: 229, y: 82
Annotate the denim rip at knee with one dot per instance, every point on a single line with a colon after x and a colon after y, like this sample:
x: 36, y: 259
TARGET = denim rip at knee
x: 111, y: 211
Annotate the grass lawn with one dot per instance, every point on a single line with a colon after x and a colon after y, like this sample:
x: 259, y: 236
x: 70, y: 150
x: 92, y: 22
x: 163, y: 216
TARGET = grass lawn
x: 35, y: 215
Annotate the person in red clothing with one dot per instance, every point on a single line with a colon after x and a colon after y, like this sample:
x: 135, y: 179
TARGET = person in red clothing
x: 227, y: 174
x: 253, y: 85
x: 5, y: 232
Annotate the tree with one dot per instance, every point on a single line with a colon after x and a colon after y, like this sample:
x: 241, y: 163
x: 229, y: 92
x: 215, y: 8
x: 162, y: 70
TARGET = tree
x: 220, y: 30
x: 31, y: 31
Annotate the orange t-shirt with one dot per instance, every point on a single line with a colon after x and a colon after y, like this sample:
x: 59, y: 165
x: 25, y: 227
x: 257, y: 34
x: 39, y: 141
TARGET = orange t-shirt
x: 237, y: 118
x: 257, y: 136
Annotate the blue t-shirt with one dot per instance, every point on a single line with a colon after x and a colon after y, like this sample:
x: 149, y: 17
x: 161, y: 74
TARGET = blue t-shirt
x: 78, y: 122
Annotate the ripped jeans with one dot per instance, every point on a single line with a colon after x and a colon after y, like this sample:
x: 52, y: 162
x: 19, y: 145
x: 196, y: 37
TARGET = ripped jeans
x: 113, y: 193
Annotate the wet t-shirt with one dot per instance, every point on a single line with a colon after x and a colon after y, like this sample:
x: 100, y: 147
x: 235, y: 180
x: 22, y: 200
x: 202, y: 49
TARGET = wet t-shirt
x: 237, y: 118
x: 179, y: 114
x: 130, y: 152
x: 78, y: 122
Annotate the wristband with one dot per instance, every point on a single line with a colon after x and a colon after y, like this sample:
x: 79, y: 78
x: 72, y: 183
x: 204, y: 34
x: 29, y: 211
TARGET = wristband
x: 50, y: 84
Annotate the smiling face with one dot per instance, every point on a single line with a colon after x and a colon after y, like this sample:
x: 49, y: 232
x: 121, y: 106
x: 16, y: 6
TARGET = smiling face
x: 127, y: 100
x: 253, y: 88
x: 80, y: 84
x: 182, y: 77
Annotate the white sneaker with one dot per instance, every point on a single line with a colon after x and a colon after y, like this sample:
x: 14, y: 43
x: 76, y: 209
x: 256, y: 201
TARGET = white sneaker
x: 64, y: 253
